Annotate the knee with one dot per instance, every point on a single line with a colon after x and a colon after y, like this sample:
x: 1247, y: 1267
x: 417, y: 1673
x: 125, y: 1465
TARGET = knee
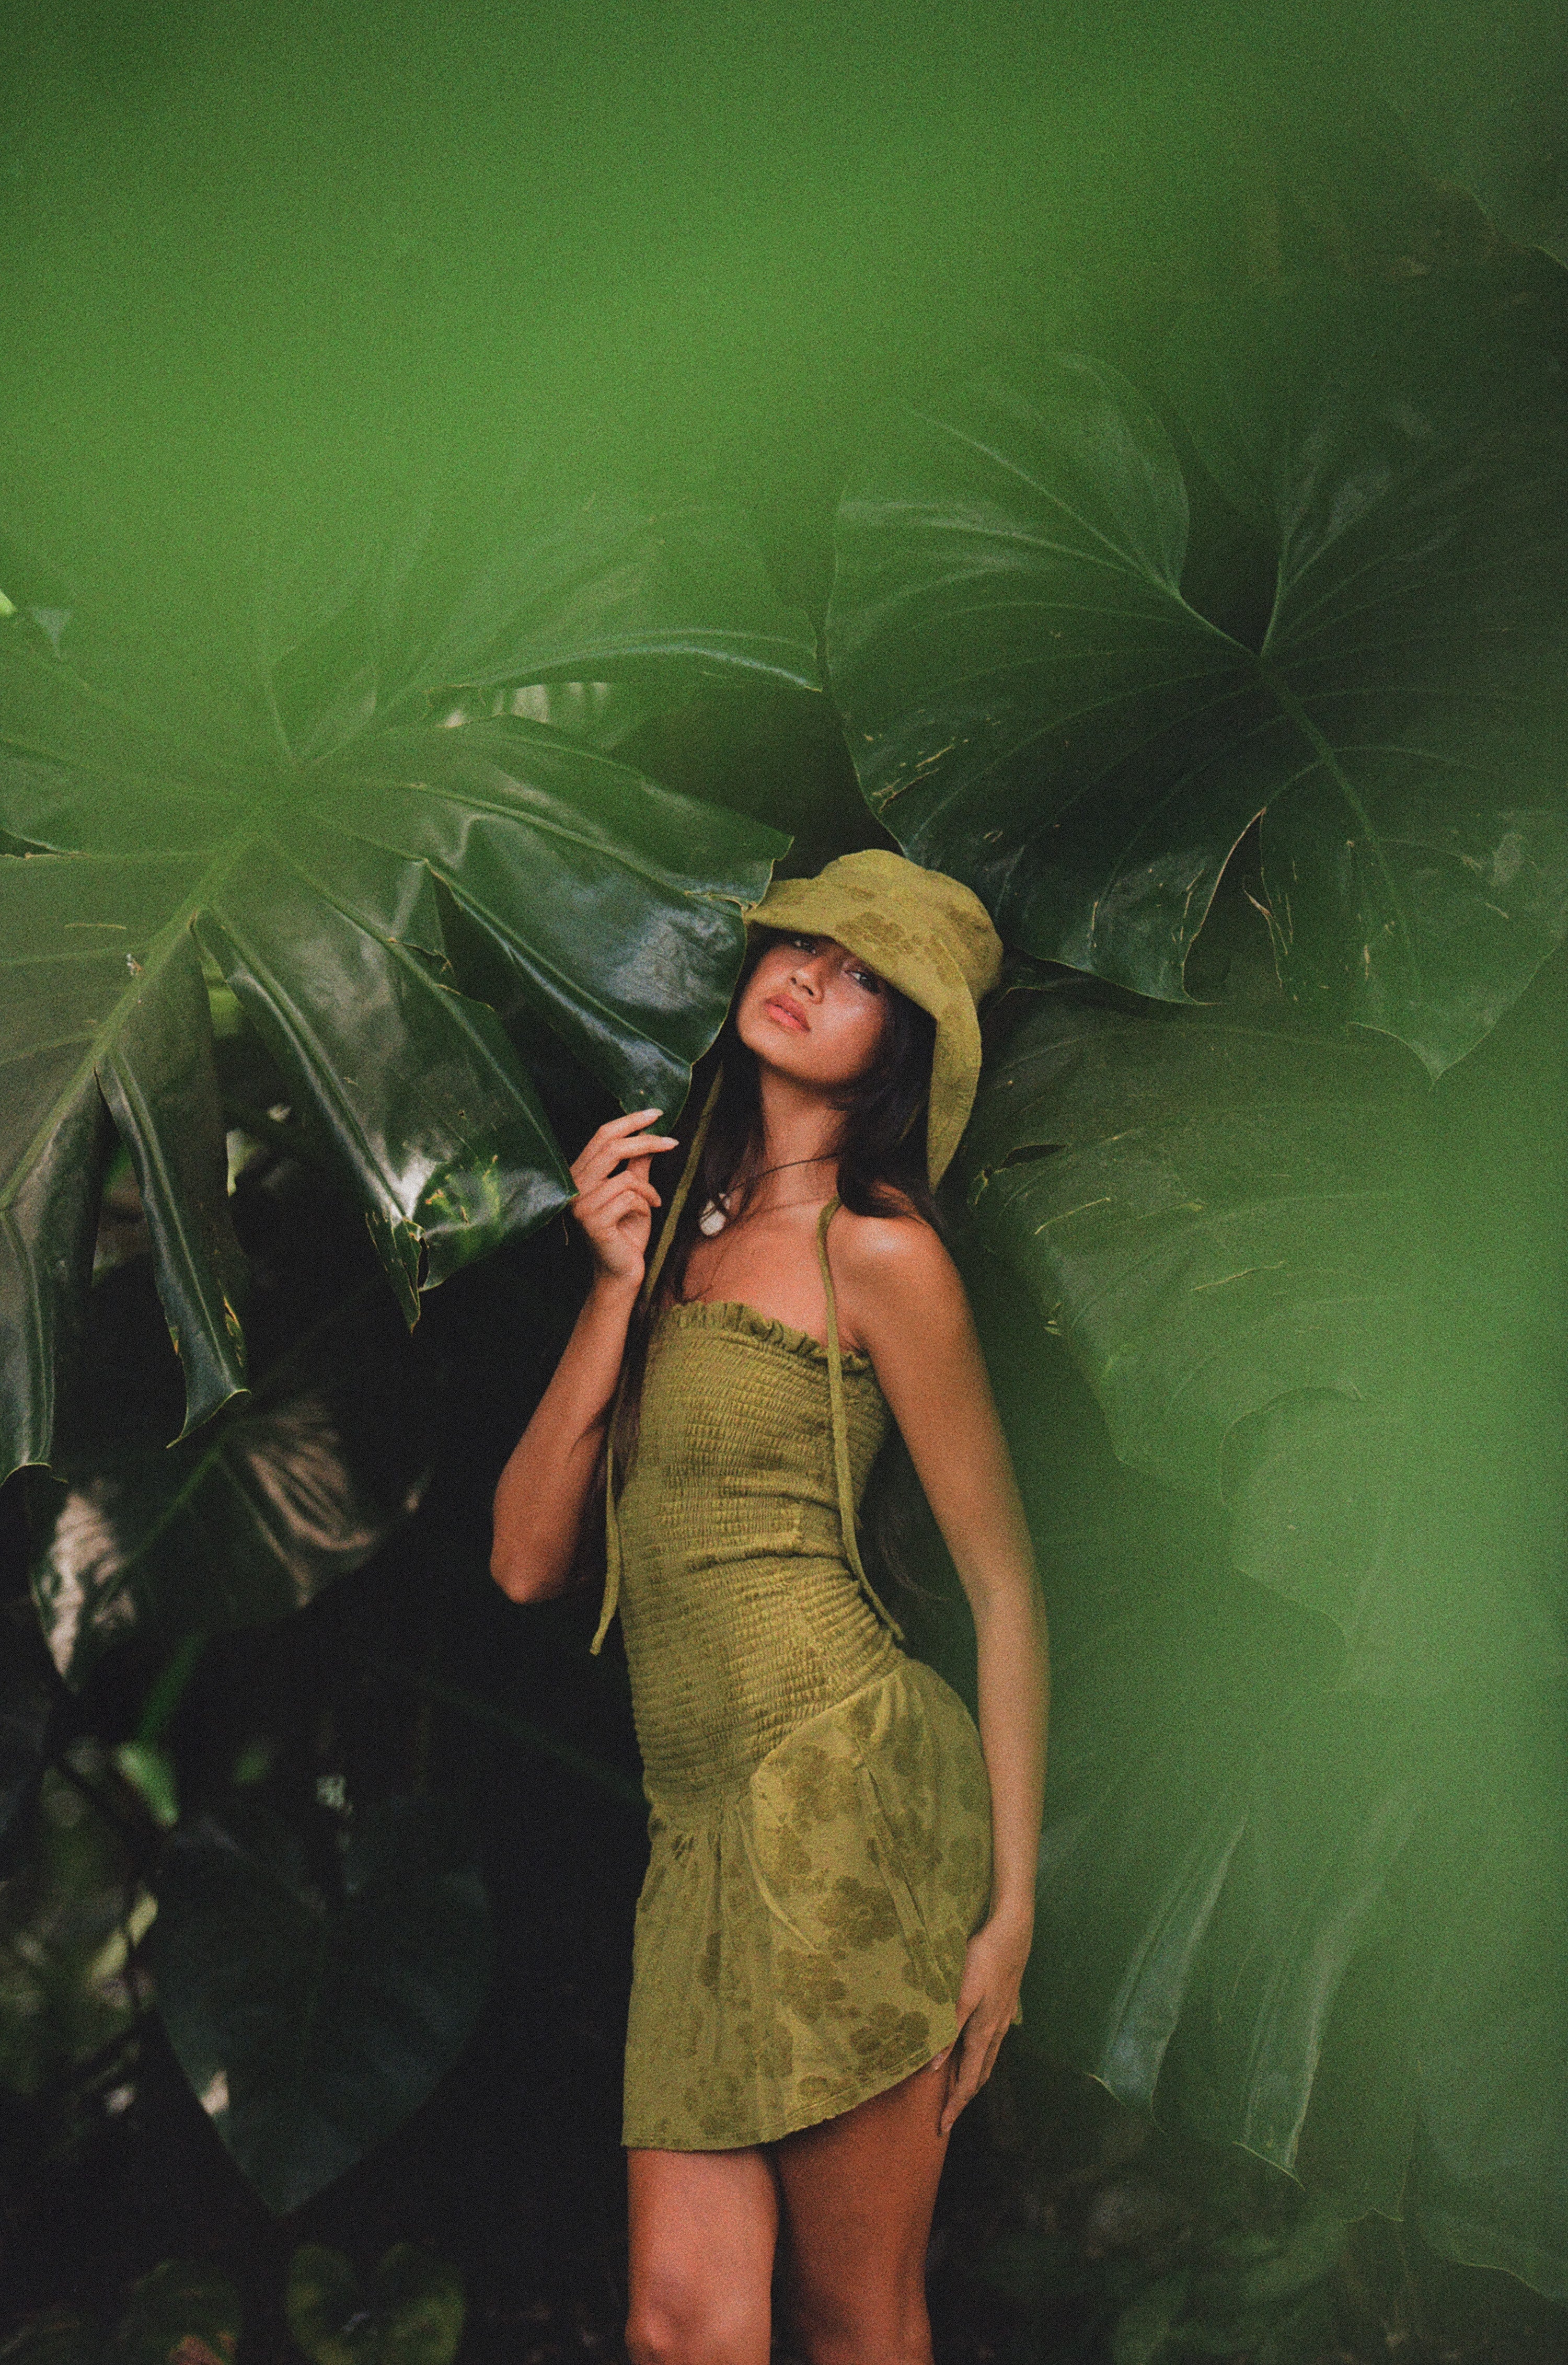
x: 650, y: 2337
x: 653, y: 2336
x: 678, y: 2328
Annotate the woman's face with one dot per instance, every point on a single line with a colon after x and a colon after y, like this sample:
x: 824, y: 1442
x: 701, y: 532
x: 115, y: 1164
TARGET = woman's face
x: 814, y: 1012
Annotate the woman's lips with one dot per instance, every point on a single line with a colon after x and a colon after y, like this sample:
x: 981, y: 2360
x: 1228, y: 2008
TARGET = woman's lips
x: 785, y: 1013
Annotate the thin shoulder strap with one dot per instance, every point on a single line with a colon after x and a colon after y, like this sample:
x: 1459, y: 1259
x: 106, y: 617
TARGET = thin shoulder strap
x: 650, y: 1283
x: 838, y: 1422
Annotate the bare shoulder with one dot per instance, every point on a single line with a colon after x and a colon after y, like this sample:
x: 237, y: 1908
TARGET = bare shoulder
x: 893, y: 1261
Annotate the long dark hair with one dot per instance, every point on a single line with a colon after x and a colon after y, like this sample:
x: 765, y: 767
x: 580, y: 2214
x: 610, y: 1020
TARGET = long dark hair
x: 881, y: 1156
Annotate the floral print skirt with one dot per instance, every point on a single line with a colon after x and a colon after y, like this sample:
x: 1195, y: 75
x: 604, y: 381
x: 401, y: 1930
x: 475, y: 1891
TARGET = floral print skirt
x: 800, y: 1933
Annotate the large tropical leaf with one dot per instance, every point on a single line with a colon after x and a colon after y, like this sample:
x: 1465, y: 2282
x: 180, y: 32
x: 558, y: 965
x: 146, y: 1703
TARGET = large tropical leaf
x: 281, y: 622
x: 1223, y: 1217
x: 250, y: 1517
x: 316, y: 897
x: 1305, y: 1867
x: 311, y: 2016
x: 1033, y: 705
x: 1322, y: 1926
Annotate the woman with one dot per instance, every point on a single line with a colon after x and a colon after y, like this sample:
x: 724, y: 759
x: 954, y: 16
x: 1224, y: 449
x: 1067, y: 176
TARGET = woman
x: 839, y: 1903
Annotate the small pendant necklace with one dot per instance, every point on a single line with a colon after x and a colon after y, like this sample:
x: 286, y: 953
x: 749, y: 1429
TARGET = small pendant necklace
x: 716, y: 1214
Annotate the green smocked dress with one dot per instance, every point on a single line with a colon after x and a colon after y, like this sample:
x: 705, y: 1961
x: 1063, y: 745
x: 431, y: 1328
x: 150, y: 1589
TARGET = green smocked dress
x: 821, y: 1817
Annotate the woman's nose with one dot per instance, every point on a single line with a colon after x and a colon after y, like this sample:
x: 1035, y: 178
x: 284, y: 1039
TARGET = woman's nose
x: 805, y: 974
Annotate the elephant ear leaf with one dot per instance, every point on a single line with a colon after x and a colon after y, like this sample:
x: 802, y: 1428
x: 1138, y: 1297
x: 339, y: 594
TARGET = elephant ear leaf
x: 314, y: 2006
x: 299, y: 1484
x: 1217, y: 1220
x: 1016, y: 665
x: 1222, y: 1212
x: 286, y: 643
x: 1408, y: 467
x: 617, y: 905
x: 612, y: 584
x: 1033, y: 705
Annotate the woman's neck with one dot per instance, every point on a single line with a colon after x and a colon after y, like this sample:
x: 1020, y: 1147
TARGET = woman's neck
x: 799, y: 1130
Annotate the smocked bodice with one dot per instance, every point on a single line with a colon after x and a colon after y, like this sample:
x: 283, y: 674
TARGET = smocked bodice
x: 742, y: 1614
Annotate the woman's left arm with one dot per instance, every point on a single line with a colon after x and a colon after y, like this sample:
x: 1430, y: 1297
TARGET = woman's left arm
x: 908, y: 1305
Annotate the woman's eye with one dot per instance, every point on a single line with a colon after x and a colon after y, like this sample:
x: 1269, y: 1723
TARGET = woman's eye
x: 868, y: 979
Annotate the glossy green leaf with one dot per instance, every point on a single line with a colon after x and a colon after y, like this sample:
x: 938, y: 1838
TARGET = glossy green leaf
x: 513, y: 817
x: 249, y: 1519
x: 181, y: 2313
x: 284, y: 624
x: 313, y: 2003
x: 593, y: 589
x: 601, y: 714
x: 412, y: 2313
x: 1220, y: 1213
x: 1303, y: 1878
x: 318, y: 902
x: 217, y: 754
x: 1298, y: 1921
x: 1217, y: 1216
x: 1033, y: 705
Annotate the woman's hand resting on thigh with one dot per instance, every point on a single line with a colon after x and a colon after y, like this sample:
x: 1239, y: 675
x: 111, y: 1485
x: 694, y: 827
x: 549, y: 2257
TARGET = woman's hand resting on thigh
x: 988, y: 2005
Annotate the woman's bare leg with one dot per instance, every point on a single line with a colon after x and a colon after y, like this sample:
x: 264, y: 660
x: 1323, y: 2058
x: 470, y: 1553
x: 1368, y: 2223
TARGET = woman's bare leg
x: 703, y: 2228
x: 859, y: 2192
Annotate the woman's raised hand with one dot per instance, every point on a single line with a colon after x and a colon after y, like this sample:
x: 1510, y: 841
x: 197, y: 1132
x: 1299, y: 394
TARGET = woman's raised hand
x: 615, y: 1200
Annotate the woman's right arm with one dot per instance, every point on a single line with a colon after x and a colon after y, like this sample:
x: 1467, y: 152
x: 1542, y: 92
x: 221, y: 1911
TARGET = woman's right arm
x: 548, y: 1481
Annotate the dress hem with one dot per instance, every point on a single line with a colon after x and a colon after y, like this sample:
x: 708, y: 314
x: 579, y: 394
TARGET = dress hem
x: 800, y: 2126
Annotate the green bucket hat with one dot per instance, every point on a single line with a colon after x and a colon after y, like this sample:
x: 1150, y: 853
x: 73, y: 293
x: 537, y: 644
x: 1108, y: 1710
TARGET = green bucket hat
x: 931, y: 937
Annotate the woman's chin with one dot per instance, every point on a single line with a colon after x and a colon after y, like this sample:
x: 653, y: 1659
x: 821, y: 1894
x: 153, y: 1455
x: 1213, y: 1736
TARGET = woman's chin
x: 789, y: 1048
